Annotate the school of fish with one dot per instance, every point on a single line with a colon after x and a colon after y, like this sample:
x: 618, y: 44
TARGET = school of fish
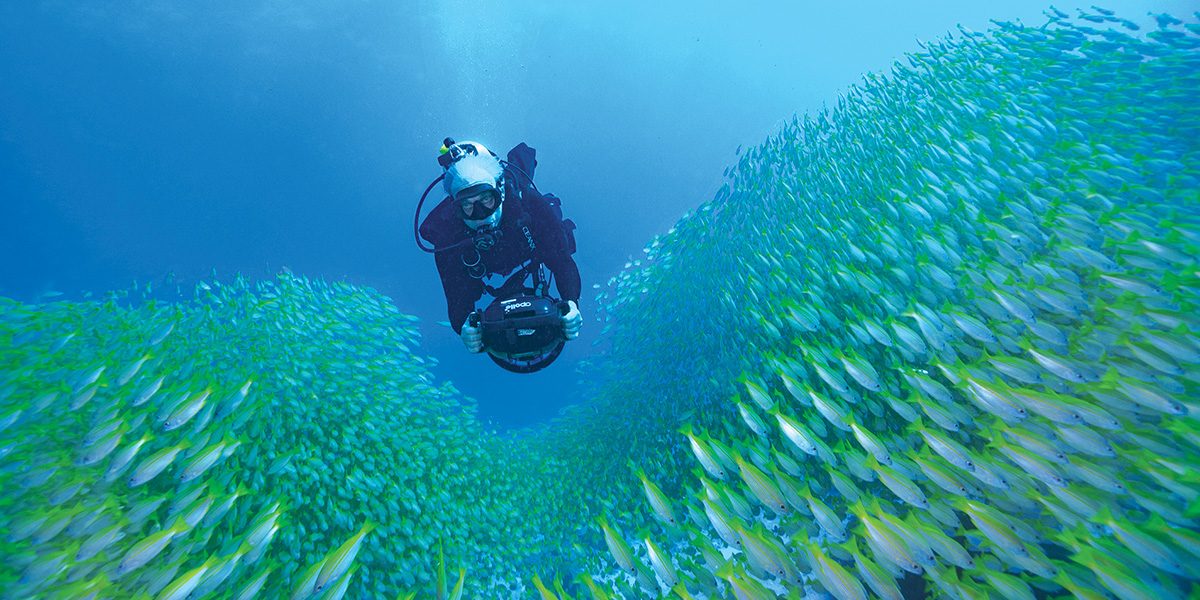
x: 940, y: 339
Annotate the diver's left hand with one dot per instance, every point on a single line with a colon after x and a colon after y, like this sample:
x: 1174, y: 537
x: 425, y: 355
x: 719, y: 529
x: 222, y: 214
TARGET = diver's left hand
x: 572, y: 321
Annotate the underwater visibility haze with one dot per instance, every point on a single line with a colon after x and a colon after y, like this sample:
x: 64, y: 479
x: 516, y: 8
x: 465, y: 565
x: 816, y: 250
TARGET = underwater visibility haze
x: 936, y: 338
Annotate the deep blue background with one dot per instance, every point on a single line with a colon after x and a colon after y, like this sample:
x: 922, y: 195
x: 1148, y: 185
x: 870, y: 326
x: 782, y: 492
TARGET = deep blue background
x: 144, y: 139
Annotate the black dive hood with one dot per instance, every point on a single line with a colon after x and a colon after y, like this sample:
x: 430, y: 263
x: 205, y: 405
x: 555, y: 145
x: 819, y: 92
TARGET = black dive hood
x: 523, y: 333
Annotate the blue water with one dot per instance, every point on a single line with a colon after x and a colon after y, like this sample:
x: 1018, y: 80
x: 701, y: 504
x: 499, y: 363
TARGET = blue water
x: 965, y: 295
x: 163, y: 142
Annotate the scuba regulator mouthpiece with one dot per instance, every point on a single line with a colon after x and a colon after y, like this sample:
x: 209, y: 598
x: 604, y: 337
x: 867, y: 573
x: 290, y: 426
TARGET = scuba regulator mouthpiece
x: 486, y: 237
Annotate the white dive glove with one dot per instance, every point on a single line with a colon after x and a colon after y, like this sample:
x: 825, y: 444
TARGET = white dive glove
x: 572, y: 321
x: 472, y: 337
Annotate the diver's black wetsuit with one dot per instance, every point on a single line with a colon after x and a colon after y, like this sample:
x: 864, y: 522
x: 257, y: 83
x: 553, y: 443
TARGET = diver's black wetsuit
x: 444, y: 227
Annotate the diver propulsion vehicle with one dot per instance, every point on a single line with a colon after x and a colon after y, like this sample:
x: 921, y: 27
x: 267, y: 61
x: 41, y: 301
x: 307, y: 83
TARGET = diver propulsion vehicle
x: 522, y: 334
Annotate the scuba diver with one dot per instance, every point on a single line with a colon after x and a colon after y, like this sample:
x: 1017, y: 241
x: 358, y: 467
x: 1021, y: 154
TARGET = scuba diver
x: 495, y: 222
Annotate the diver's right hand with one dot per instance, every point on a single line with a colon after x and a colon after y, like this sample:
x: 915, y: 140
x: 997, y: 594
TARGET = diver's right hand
x: 472, y: 337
